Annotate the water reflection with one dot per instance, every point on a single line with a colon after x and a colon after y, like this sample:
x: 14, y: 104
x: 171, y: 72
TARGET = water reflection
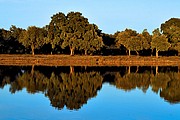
x: 74, y: 86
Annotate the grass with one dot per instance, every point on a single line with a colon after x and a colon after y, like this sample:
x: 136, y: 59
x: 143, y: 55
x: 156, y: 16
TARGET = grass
x: 67, y: 60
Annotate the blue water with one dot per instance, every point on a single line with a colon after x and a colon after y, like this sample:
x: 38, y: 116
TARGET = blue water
x: 109, y: 104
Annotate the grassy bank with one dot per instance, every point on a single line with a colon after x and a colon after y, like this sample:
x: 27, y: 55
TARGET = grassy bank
x: 66, y: 60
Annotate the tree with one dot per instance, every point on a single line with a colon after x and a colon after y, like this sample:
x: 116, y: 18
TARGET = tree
x: 133, y: 41
x: 91, y: 40
x: 55, y: 28
x: 147, y: 38
x: 9, y: 40
x: 13, y: 43
x: 167, y: 26
x: 33, y: 37
x: 124, y: 38
x: 5, y: 41
x: 159, y: 42
x: 75, y: 29
x: 69, y: 31
x: 171, y: 29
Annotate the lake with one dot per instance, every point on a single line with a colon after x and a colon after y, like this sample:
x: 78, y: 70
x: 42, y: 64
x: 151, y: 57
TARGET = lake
x: 89, y: 93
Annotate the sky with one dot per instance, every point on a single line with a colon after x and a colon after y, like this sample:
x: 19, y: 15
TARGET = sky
x: 110, y: 15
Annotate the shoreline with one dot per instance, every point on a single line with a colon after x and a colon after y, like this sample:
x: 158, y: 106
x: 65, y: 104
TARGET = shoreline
x: 79, y: 60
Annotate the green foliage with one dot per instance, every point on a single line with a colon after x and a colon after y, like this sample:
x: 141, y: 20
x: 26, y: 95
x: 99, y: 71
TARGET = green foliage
x: 146, y: 41
x: 159, y: 42
x: 133, y: 41
x: 9, y: 40
x: 73, y: 31
x: 15, y: 32
x: 175, y: 38
x: 124, y: 38
x: 55, y: 28
x: 171, y: 28
x: 33, y: 37
x: 91, y: 41
x: 167, y: 26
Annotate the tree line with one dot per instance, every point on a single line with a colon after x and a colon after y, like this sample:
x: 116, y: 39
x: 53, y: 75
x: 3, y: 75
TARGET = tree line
x: 73, y: 34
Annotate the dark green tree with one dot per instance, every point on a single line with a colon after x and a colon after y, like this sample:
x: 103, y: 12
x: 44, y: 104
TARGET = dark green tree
x: 5, y: 37
x: 147, y: 38
x: 55, y: 29
x: 14, y: 45
x: 171, y: 29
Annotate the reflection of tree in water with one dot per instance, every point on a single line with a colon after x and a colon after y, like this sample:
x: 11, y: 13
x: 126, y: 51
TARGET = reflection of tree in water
x: 73, y: 90
x: 172, y: 91
x: 32, y: 82
x: 132, y: 81
x: 70, y: 90
x: 167, y: 84
x: 8, y: 74
x: 159, y: 82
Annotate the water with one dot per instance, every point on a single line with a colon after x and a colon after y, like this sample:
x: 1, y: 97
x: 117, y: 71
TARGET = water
x: 89, y: 93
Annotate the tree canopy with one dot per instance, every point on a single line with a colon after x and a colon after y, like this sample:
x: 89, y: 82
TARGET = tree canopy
x: 159, y: 42
x: 171, y: 29
x: 33, y: 37
x: 74, y: 31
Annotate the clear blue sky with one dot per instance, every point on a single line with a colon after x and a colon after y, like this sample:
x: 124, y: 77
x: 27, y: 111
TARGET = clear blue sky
x: 109, y: 15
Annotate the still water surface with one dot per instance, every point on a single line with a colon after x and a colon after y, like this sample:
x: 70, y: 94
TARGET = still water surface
x: 89, y: 93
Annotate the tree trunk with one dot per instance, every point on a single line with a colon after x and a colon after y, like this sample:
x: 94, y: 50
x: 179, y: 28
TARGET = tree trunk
x: 72, y: 51
x: 151, y: 52
x: 85, y: 52
x: 32, y: 48
x: 157, y: 53
x: 129, y: 52
x: 178, y: 53
x: 137, y: 53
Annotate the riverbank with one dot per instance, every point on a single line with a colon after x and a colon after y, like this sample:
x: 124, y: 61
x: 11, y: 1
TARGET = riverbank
x: 67, y: 60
